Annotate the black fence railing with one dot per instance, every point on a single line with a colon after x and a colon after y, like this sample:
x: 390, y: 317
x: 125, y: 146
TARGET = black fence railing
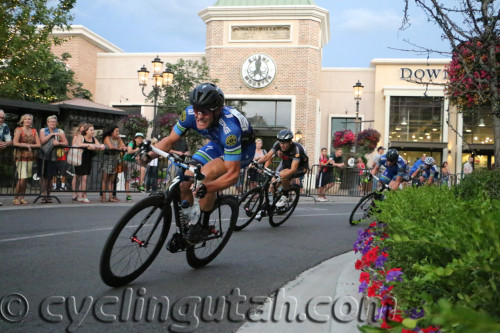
x: 18, y: 166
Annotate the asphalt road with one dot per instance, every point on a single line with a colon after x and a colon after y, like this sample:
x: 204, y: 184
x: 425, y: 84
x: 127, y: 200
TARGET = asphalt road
x: 49, y: 280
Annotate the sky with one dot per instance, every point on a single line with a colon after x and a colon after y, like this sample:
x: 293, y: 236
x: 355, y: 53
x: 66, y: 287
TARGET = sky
x: 360, y: 30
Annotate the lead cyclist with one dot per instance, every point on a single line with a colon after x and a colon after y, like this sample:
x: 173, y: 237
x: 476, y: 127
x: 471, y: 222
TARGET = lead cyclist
x: 231, y: 148
x: 395, y: 169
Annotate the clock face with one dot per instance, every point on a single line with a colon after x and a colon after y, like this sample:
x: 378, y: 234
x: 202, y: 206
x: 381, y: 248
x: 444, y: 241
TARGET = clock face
x: 258, y: 71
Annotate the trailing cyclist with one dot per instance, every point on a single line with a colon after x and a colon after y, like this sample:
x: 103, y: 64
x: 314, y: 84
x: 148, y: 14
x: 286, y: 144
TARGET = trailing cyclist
x: 231, y: 148
x: 395, y: 168
x: 427, y: 171
x: 294, y: 161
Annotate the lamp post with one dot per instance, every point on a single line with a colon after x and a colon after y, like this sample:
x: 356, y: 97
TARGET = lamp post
x: 358, y: 91
x: 160, y: 79
x: 298, y: 136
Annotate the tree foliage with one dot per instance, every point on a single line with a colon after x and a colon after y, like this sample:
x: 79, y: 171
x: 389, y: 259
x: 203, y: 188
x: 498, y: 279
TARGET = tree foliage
x: 472, y: 29
x: 28, y: 68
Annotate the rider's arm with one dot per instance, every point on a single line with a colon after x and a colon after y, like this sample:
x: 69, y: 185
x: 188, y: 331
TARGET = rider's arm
x: 166, y: 143
x: 266, y: 157
x: 375, y: 170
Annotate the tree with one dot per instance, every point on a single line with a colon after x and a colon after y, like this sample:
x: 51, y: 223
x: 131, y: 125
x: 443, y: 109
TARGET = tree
x: 471, y: 28
x: 187, y: 75
x: 28, y: 68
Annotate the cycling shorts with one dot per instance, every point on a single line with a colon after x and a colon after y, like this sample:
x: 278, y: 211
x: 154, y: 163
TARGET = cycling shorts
x: 296, y: 174
x: 211, y: 151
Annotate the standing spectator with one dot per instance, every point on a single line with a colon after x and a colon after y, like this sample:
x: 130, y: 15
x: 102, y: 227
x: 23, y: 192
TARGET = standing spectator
x: 152, y: 172
x: 131, y: 166
x: 469, y: 166
x: 25, y: 139
x: 5, y: 137
x: 114, y: 145
x: 361, y: 167
x: 337, y: 161
x: 51, y: 137
x: 83, y: 170
x: 380, y: 152
x: 252, y: 173
x: 180, y: 148
x: 445, y: 174
x: 77, y: 141
x: 324, y: 177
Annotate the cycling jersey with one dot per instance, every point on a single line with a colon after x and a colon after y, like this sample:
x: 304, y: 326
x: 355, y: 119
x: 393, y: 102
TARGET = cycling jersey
x: 296, y: 152
x: 231, y: 138
x: 392, y: 171
x: 427, y: 172
x: 416, y: 165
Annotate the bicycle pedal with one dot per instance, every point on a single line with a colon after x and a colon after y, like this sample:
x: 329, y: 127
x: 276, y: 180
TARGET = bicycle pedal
x: 176, y: 243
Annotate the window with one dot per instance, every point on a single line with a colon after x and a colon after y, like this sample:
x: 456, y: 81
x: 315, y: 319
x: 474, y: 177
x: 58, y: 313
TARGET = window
x: 343, y: 123
x: 478, y: 127
x: 417, y: 119
x: 264, y: 113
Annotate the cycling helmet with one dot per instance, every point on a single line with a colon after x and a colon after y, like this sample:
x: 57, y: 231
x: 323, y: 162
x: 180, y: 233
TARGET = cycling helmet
x: 392, y: 155
x: 207, y: 96
x: 285, y: 135
x: 429, y: 161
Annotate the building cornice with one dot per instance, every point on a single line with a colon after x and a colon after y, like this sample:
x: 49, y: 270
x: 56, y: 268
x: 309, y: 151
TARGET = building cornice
x: 410, y: 61
x: 246, y: 13
x: 88, y: 35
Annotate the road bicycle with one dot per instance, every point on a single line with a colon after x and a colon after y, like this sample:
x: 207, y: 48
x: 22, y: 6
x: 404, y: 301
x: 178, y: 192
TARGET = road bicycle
x: 139, y: 235
x: 366, y: 206
x: 259, y: 202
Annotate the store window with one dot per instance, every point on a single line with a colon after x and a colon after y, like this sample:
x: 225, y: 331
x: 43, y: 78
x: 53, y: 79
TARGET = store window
x: 478, y: 127
x: 416, y: 119
x: 343, y: 123
x: 264, y: 113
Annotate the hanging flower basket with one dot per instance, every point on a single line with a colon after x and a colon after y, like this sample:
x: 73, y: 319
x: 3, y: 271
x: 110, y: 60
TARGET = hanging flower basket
x: 368, y: 140
x: 343, y: 139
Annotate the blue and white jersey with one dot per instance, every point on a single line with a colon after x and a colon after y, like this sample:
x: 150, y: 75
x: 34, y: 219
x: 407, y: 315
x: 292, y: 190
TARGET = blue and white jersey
x: 416, y: 165
x: 232, y: 133
x: 427, y: 171
x: 398, y: 169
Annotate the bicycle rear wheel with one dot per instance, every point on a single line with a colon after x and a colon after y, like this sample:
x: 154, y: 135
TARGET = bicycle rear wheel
x: 135, y: 241
x: 278, y: 216
x: 222, y: 219
x: 363, y: 210
x: 249, y: 205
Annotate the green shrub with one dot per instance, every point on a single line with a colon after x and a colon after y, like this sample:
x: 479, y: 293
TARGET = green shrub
x: 487, y: 181
x: 449, y: 251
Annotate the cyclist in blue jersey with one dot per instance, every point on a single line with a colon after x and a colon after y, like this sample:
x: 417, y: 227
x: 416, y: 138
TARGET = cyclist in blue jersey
x: 395, y: 168
x: 427, y: 171
x: 417, y: 164
x: 231, y: 147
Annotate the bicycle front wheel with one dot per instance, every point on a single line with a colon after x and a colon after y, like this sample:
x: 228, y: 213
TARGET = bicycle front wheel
x: 222, y: 220
x: 278, y: 215
x: 249, y: 205
x: 363, y: 210
x: 135, y: 241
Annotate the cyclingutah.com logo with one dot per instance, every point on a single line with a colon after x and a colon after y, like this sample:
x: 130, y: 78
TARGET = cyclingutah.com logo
x: 186, y: 313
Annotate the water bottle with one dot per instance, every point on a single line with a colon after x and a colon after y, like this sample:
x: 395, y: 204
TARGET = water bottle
x: 185, y: 212
x: 195, y: 213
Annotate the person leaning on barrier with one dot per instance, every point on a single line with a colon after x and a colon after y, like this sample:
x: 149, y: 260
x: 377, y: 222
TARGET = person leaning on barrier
x: 5, y: 137
x: 51, y: 137
x: 25, y: 139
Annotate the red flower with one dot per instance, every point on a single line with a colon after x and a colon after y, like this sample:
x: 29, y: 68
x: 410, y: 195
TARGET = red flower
x: 364, y: 277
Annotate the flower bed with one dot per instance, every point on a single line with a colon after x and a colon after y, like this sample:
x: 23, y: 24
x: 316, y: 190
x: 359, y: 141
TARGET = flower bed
x: 438, y: 255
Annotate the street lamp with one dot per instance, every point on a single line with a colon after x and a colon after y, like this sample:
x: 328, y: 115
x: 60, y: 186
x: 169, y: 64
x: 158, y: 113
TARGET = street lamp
x: 298, y: 136
x: 358, y: 91
x: 160, y: 79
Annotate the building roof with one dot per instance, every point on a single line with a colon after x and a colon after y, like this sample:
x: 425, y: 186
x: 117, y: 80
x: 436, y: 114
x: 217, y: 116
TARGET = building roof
x: 264, y: 3
x: 85, y: 104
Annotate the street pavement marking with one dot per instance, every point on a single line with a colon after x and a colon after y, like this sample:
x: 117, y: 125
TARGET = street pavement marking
x: 109, y: 228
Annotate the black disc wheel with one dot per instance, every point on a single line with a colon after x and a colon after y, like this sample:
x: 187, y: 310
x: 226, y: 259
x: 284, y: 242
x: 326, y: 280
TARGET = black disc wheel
x: 135, y: 241
x: 222, y: 221
x: 249, y: 205
x: 363, y: 210
x: 279, y: 215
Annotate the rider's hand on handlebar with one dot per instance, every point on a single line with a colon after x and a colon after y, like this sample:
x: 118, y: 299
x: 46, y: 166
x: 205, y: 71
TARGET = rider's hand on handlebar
x: 200, y: 191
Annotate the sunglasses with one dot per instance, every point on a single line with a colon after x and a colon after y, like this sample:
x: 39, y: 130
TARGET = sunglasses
x: 203, y: 112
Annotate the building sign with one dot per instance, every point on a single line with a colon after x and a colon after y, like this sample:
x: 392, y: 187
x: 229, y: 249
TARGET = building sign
x: 423, y: 74
x: 258, y: 71
x: 260, y: 32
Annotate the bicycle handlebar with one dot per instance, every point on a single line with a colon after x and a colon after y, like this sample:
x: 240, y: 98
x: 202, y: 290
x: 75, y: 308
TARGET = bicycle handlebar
x: 175, y: 159
x: 267, y: 171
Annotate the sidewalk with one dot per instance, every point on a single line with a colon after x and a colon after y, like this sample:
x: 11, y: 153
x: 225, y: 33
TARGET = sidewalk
x: 320, y: 295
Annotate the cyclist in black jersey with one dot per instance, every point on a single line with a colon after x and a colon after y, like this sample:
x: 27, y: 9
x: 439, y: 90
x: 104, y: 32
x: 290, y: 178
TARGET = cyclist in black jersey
x: 294, y: 164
